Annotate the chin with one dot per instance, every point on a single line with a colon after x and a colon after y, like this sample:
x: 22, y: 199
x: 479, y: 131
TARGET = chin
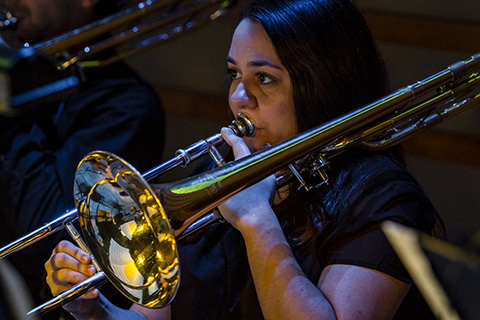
x: 251, y: 143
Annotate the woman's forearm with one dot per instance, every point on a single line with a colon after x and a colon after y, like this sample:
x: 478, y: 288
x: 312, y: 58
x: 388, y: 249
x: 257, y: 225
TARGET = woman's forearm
x: 283, y: 289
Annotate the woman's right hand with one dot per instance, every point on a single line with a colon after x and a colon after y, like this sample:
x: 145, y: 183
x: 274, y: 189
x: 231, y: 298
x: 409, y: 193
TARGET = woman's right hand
x: 69, y: 265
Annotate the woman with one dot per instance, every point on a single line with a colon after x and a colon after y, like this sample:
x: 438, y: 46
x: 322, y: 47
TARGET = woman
x: 287, y: 254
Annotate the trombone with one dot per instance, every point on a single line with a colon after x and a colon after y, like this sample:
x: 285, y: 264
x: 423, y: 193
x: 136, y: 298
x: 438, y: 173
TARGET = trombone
x: 130, y: 31
x: 131, y: 227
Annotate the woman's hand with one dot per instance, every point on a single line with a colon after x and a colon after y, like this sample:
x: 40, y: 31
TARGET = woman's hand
x: 69, y: 265
x: 246, y: 207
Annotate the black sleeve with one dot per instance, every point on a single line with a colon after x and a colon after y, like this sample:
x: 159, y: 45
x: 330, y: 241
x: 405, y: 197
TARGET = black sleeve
x: 370, y: 249
x: 380, y: 189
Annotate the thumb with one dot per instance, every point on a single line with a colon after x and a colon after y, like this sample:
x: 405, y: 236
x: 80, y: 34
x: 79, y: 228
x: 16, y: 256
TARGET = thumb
x: 239, y: 147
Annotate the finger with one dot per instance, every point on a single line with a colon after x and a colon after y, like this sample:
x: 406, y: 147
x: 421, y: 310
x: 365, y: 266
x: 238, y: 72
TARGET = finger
x: 72, y: 250
x: 239, y: 147
x: 59, y: 281
x: 91, y: 293
x: 64, y: 277
x: 65, y: 261
x: 58, y: 289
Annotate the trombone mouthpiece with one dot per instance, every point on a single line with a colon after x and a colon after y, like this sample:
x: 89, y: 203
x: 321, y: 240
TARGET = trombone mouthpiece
x: 7, y: 20
x: 242, y: 126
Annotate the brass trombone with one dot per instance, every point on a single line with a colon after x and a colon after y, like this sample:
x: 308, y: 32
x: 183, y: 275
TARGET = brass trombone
x: 133, y: 30
x: 131, y: 228
x: 130, y: 31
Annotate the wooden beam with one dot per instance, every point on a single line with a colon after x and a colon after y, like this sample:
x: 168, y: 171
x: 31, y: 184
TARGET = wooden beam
x: 438, y: 34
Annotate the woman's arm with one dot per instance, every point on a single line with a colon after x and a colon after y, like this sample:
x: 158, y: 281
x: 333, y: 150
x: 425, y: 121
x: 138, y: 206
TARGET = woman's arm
x: 284, y: 292
x: 343, y: 291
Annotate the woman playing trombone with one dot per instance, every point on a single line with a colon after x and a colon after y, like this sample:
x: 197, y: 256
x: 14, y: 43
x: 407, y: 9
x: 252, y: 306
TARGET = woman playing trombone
x: 287, y: 254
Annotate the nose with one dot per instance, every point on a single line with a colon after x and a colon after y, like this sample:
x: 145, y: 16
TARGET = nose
x: 241, y: 98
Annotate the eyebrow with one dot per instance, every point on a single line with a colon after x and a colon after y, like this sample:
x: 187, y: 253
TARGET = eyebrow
x: 257, y: 63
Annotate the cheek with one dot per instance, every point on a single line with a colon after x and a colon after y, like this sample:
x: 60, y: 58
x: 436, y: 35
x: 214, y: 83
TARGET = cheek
x: 281, y: 127
x: 231, y: 103
x: 285, y: 130
x: 287, y: 112
x: 286, y: 122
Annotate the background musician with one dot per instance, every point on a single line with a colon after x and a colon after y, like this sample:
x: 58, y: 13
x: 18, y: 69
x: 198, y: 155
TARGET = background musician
x: 114, y: 109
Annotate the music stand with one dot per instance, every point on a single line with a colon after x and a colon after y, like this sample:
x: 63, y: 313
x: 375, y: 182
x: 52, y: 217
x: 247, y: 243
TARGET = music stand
x: 446, y: 275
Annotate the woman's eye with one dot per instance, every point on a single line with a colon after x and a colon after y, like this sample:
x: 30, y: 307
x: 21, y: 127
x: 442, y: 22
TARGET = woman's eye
x: 234, y: 74
x: 264, y: 78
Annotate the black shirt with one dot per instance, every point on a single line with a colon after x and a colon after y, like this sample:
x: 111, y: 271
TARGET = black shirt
x: 215, y: 280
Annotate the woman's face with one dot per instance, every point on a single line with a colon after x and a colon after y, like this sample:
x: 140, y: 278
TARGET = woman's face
x: 261, y: 86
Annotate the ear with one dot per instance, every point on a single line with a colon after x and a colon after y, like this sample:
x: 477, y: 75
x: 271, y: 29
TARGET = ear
x: 87, y: 4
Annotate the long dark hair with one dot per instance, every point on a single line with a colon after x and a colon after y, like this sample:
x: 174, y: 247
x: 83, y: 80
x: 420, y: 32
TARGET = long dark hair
x: 329, y: 52
x: 334, y: 66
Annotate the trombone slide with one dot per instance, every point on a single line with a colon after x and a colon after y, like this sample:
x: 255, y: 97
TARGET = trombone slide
x: 36, y: 235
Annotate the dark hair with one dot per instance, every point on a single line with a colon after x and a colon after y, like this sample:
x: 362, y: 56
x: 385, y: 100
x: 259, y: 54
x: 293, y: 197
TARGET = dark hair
x: 334, y: 66
x: 329, y: 52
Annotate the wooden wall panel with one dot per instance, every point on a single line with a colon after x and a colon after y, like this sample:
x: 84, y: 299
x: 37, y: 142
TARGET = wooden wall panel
x: 438, y: 34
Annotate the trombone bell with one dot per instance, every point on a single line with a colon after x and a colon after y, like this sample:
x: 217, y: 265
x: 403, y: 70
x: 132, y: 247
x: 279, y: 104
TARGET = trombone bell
x: 126, y: 229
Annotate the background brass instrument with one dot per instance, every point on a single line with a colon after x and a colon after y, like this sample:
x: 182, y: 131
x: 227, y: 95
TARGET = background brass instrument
x: 62, y: 61
x: 115, y: 203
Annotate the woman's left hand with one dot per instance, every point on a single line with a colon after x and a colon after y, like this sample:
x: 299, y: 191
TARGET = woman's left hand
x: 248, y: 206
